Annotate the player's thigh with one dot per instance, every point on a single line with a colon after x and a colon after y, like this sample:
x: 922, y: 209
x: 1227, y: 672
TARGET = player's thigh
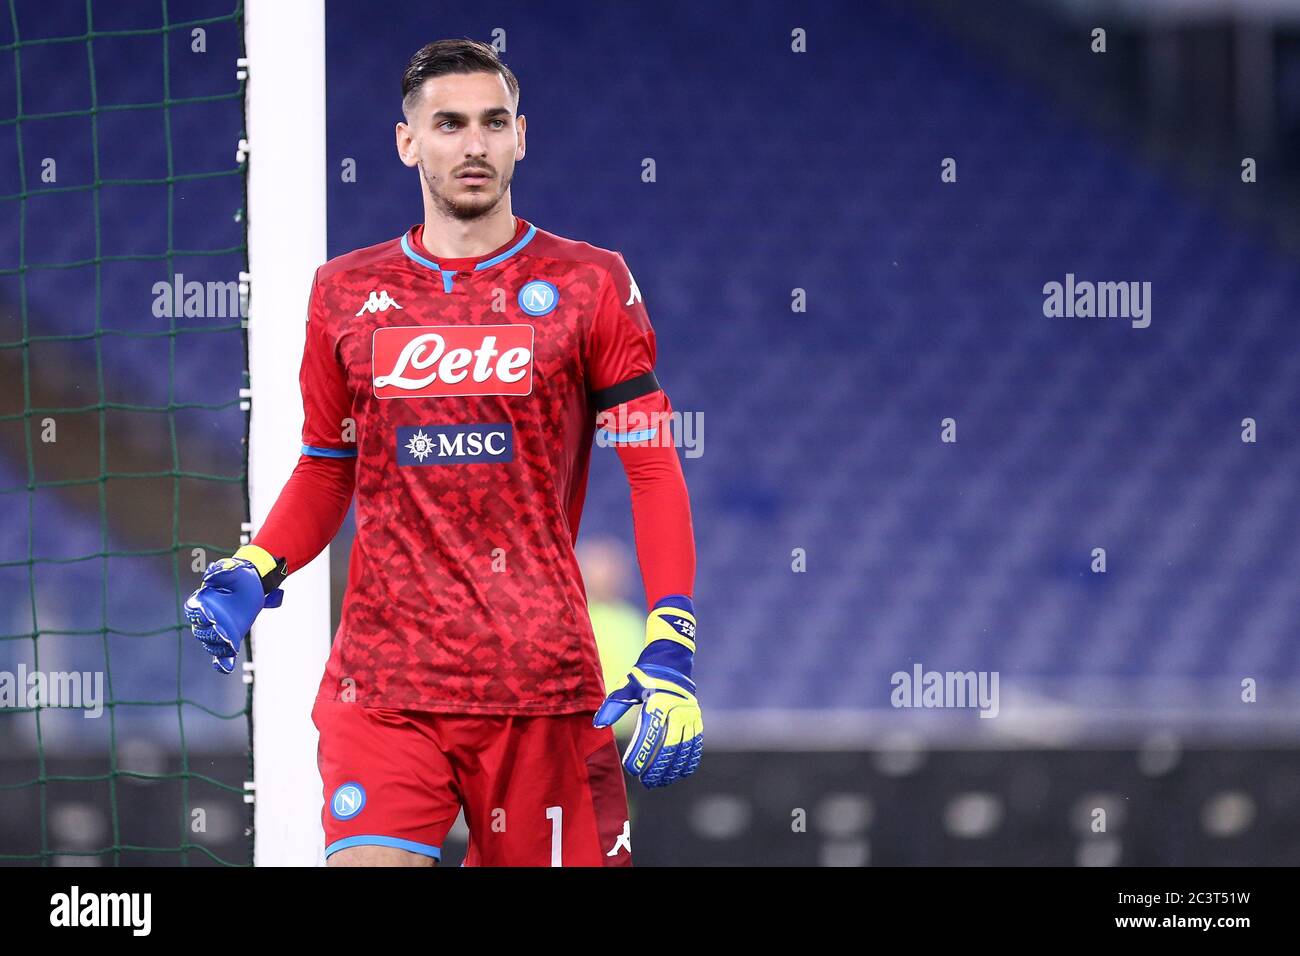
x: 553, y: 795
x: 388, y: 787
x: 378, y: 856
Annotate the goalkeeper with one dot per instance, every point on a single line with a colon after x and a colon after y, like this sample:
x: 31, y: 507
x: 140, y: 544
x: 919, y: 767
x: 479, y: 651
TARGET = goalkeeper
x: 453, y: 379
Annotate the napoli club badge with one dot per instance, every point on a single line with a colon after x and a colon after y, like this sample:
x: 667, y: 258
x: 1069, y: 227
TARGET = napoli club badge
x: 348, y: 801
x: 538, y: 297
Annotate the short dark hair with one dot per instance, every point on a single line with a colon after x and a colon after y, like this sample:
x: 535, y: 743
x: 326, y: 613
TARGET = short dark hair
x: 452, y: 56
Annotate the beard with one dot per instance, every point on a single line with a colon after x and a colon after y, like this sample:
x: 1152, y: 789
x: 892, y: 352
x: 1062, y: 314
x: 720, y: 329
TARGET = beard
x: 466, y: 207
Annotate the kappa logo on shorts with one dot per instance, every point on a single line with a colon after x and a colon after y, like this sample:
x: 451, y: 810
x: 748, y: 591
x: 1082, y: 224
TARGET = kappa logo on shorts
x: 348, y: 801
x: 624, y: 841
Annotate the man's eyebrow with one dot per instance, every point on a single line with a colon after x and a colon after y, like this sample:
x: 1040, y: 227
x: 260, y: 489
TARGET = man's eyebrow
x: 461, y: 117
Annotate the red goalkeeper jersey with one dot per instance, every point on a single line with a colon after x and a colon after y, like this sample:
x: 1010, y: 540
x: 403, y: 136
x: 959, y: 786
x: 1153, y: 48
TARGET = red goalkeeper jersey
x: 468, y: 390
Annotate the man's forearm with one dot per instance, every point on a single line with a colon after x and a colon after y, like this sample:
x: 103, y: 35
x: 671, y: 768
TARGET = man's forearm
x: 661, y: 512
x: 309, y: 510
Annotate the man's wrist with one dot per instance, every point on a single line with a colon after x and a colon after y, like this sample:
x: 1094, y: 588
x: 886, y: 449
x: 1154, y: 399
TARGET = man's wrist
x: 670, y: 633
x: 272, y: 570
x: 680, y: 601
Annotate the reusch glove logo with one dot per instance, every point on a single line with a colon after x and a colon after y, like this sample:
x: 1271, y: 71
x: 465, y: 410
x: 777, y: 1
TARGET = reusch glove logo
x: 435, y: 361
x: 653, y: 728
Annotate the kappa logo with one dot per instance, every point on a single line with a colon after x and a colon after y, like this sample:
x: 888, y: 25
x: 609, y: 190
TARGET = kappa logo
x: 439, y: 361
x: 378, y: 302
x: 624, y: 841
x: 635, y: 294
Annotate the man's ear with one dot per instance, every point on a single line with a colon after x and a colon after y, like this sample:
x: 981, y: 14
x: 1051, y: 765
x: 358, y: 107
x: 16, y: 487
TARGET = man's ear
x: 406, y: 150
x: 523, y: 144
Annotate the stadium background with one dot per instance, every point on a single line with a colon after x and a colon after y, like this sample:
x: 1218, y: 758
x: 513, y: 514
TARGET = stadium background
x: 775, y: 171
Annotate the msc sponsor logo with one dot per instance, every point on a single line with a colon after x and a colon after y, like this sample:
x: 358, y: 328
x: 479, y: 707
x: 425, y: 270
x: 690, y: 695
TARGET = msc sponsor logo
x: 438, y: 361
x: 454, y: 444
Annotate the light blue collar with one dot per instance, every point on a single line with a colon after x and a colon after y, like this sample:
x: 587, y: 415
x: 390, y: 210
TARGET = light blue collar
x: 485, y: 264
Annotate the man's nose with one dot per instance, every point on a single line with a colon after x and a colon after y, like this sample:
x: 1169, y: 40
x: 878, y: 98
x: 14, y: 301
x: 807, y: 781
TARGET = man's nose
x: 476, y: 144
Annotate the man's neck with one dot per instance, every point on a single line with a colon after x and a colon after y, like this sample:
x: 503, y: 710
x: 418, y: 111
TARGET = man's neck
x: 447, y: 238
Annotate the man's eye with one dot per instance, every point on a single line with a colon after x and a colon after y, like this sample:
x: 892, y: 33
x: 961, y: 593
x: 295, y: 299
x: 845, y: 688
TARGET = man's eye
x: 499, y: 123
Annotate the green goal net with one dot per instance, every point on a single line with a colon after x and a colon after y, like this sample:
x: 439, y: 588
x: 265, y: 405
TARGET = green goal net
x: 123, y: 430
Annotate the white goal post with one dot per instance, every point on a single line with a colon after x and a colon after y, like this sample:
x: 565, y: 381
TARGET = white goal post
x: 285, y: 48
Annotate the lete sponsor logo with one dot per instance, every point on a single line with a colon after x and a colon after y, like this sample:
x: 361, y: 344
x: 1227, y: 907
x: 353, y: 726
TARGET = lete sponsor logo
x: 444, y: 360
